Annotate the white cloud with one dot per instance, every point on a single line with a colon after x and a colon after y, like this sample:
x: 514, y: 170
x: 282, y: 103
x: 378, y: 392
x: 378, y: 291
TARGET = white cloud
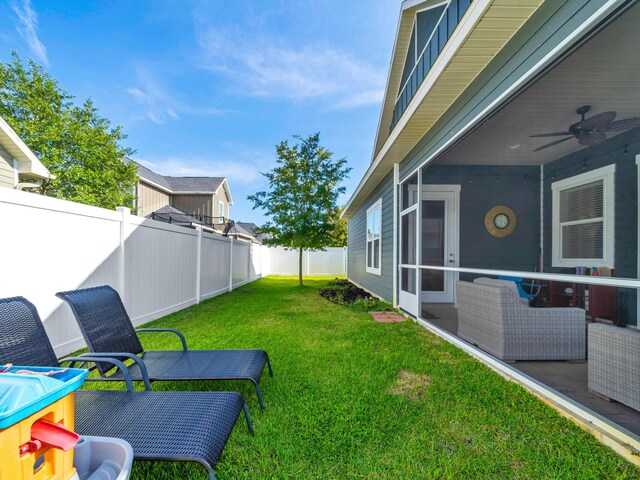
x: 263, y: 67
x: 160, y: 105
x: 242, y: 167
x: 28, y: 29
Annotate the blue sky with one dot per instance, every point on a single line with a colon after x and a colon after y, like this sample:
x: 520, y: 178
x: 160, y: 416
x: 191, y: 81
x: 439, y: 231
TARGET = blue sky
x: 209, y: 87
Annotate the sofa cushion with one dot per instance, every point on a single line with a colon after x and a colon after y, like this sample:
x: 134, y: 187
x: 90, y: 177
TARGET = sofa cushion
x: 508, y: 284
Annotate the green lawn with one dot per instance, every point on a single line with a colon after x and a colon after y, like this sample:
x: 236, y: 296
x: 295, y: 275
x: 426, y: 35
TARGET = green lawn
x: 339, y: 406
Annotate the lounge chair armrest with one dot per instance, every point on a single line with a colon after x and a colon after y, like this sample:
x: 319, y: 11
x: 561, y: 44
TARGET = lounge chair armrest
x: 88, y: 358
x: 135, y: 358
x: 172, y: 330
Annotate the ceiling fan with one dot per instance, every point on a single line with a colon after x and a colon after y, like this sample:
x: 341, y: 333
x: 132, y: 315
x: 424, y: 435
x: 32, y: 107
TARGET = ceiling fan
x: 592, y: 130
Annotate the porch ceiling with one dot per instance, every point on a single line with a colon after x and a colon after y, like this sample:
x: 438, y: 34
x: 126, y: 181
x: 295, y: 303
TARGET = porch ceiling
x: 604, y: 73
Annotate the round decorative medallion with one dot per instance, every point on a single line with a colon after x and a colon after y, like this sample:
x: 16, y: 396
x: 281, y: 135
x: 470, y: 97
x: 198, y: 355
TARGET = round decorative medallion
x: 500, y: 221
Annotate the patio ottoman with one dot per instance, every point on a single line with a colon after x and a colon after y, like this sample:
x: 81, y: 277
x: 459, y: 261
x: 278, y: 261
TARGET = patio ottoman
x: 614, y: 363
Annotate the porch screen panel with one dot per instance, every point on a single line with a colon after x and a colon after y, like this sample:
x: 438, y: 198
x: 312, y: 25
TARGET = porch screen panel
x: 433, y: 244
x: 410, y: 192
x: 409, y: 238
x: 582, y: 221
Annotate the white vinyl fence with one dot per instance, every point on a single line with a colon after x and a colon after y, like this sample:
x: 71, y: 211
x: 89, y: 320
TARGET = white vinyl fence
x: 49, y: 245
x: 330, y: 262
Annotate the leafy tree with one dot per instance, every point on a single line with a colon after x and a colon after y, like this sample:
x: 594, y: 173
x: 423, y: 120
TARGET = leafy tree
x: 338, y: 234
x: 74, y: 142
x: 301, y: 201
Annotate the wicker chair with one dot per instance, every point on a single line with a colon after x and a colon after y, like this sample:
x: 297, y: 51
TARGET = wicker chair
x: 495, y: 320
x: 160, y: 426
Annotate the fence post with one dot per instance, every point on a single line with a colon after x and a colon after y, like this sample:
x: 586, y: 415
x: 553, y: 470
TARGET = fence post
x: 198, y: 263
x: 345, y: 258
x: 124, y: 220
x: 230, y: 263
x: 249, y: 261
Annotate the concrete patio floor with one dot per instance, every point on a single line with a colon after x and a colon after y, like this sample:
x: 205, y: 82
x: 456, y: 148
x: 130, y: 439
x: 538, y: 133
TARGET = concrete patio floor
x: 567, y: 378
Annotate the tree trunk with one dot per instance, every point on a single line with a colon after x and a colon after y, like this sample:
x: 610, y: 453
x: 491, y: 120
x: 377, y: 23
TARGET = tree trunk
x: 300, y: 268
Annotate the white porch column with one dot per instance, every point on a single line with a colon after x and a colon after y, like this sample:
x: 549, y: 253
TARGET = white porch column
x: 396, y: 182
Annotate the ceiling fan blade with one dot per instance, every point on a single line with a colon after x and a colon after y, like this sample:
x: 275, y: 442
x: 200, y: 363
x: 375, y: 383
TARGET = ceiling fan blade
x: 554, y: 134
x: 552, y: 144
x: 598, y: 122
x: 592, y: 138
x: 625, y: 124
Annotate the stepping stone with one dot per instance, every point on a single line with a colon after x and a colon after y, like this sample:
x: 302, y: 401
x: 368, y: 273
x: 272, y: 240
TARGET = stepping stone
x: 387, y: 317
x: 381, y: 317
x: 396, y: 317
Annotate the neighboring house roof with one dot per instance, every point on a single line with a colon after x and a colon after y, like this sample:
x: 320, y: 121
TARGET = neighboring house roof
x: 172, y: 215
x: 152, y: 177
x: 239, y: 231
x: 195, y: 184
x: 184, y: 185
x: 28, y: 163
x: 251, y: 228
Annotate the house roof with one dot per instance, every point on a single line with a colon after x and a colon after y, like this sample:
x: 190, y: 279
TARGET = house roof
x: 28, y: 163
x: 481, y: 33
x: 251, y: 228
x: 184, y: 185
x: 195, y: 184
x: 153, y: 177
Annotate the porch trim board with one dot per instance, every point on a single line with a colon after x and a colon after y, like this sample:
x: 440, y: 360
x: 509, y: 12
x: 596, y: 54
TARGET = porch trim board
x: 556, y: 277
x: 622, y: 441
x: 638, y: 236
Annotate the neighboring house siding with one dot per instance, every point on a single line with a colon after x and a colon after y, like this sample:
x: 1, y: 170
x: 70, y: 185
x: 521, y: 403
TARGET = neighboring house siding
x: 221, y: 197
x: 6, y: 169
x: 626, y: 207
x: 381, y: 285
x: 151, y: 199
x: 195, y: 204
x: 479, y: 192
x: 552, y: 23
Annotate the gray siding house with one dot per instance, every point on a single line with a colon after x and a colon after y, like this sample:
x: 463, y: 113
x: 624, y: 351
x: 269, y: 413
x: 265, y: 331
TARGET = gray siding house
x: 205, y: 198
x: 508, y: 145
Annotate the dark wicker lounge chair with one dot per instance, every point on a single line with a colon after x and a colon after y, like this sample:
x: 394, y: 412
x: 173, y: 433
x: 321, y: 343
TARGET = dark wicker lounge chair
x: 160, y: 426
x: 108, y: 330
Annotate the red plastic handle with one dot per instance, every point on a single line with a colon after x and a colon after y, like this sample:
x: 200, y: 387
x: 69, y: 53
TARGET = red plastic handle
x: 30, y: 446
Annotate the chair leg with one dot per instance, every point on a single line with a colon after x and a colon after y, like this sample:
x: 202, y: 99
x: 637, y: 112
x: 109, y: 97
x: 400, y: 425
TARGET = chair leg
x: 248, y: 418
x: 212, y: 475
x: 259, y: 396
x: 270, y: 369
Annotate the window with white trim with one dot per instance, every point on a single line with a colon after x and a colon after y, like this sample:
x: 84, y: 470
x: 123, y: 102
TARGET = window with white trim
x: 583, y: 219
x: 374, y: 238
x: 221, y: 211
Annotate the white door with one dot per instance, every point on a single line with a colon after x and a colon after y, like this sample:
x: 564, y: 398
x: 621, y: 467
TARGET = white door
x: 439, y: 242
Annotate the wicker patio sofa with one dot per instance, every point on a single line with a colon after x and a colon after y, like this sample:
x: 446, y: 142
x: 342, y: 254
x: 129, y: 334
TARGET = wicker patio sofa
x: 495, y: 319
